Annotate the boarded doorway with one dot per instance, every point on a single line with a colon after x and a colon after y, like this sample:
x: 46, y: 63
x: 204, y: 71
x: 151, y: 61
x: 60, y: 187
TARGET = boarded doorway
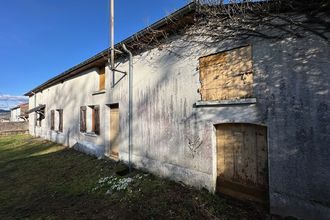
x: 114, y: 131
x: 242, y: 161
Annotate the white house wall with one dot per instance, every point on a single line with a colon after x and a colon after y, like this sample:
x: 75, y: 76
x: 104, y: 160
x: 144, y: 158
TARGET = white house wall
x: 14, y: 115
x: 174, y: 138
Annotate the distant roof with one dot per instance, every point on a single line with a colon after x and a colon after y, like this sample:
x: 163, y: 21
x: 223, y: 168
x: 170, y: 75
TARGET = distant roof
x: 15, y: 107
x: 172, y: 21
x: 19, y: 106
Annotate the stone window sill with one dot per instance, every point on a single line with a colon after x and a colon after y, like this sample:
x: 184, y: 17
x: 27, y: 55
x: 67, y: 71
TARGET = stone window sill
x: 99, y: 92
x: 226, y: 102
x: 90, y: 134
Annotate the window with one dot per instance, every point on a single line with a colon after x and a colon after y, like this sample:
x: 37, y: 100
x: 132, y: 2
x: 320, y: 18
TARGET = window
x: 96, y: 119
x: 101, y: 78
x: 52, y: 120
x: 60, y: 120
x: 90, y: 120
x: 83, y: 119
x: 226, y: 75
x: 39, y: 119
x: 40, y: 116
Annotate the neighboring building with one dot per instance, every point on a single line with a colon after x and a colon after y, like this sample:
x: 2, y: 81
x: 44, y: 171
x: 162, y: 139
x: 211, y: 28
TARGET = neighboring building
x: 4, y: 115
x: 248, y: 118
x: 15, y: 112
x: 24, y: 111
x: 19, y: 113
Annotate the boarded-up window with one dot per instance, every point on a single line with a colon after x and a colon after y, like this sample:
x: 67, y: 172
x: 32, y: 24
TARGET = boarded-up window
x: 96, y: 120
x: 226, y: 75
x: 102, y: 78
x: 52, y: 120
x: 83, y: 119
x: 60, y: 120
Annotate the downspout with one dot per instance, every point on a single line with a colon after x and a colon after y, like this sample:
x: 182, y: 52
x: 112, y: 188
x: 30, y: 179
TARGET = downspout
x: 130, y: 106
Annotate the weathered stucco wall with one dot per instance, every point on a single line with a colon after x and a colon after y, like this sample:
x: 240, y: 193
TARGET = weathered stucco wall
x: 174, y: 138
x: 294, y: 96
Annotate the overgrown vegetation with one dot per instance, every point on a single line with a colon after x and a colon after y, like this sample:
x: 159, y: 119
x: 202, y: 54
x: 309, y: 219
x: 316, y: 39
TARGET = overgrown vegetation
x: 43, y: 180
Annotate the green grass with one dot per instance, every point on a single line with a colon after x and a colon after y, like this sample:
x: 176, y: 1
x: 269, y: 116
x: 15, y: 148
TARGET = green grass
x: 43, y: 180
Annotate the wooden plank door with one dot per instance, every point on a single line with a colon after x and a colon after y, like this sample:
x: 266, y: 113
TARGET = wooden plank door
x: 242, y: 161
x: 114, y: 131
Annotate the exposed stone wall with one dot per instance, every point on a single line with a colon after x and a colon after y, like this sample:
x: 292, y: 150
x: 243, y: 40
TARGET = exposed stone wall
x: 7, y: 128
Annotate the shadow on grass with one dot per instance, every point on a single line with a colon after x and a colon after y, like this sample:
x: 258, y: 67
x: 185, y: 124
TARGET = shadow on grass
x: 54, y: 183
x: 42, y: 180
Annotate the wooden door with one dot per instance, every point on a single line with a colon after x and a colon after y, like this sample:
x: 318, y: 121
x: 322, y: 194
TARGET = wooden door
x: 114, y: 131
x: 242, y: 161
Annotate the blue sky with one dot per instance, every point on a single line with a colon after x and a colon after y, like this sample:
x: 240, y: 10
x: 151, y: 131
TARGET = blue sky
x: 42, y: 38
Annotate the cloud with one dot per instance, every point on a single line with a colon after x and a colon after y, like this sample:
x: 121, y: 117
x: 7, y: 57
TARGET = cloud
x: 3, y: 106
x: 15, y: 98
x: 9, y: 101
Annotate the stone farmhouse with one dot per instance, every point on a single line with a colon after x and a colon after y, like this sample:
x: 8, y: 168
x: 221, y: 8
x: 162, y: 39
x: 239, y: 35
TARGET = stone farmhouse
x: 247, y: 117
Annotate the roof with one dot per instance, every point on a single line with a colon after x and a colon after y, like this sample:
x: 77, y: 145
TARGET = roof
x: 15, y: 107
x: 20, y: 106
x: 100, y: 58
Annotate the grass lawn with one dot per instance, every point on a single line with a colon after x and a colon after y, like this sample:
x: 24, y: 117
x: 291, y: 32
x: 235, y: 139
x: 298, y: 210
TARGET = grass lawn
x: 43, y: 180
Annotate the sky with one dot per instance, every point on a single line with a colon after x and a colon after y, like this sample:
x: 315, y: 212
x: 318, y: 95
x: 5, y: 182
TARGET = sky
x: 40, y: 39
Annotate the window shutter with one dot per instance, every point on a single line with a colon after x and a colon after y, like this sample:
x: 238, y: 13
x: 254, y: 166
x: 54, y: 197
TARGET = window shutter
x: 97, y: 120
x: 60, y: 125
x: 83, y: 119
x: 35, y: 119
x: 52, y: 116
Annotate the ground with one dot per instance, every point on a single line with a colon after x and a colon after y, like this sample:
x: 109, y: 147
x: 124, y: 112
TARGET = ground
x: 43, y: 180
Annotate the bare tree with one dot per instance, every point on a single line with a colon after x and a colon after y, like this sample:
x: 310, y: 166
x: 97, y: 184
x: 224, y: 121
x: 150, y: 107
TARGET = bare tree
x: 218, y: 21
x: 266, y: 19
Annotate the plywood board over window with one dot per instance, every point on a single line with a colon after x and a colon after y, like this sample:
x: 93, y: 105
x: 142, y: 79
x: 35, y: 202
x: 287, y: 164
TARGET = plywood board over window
x: 102, y: 78
x: 227, y: 75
